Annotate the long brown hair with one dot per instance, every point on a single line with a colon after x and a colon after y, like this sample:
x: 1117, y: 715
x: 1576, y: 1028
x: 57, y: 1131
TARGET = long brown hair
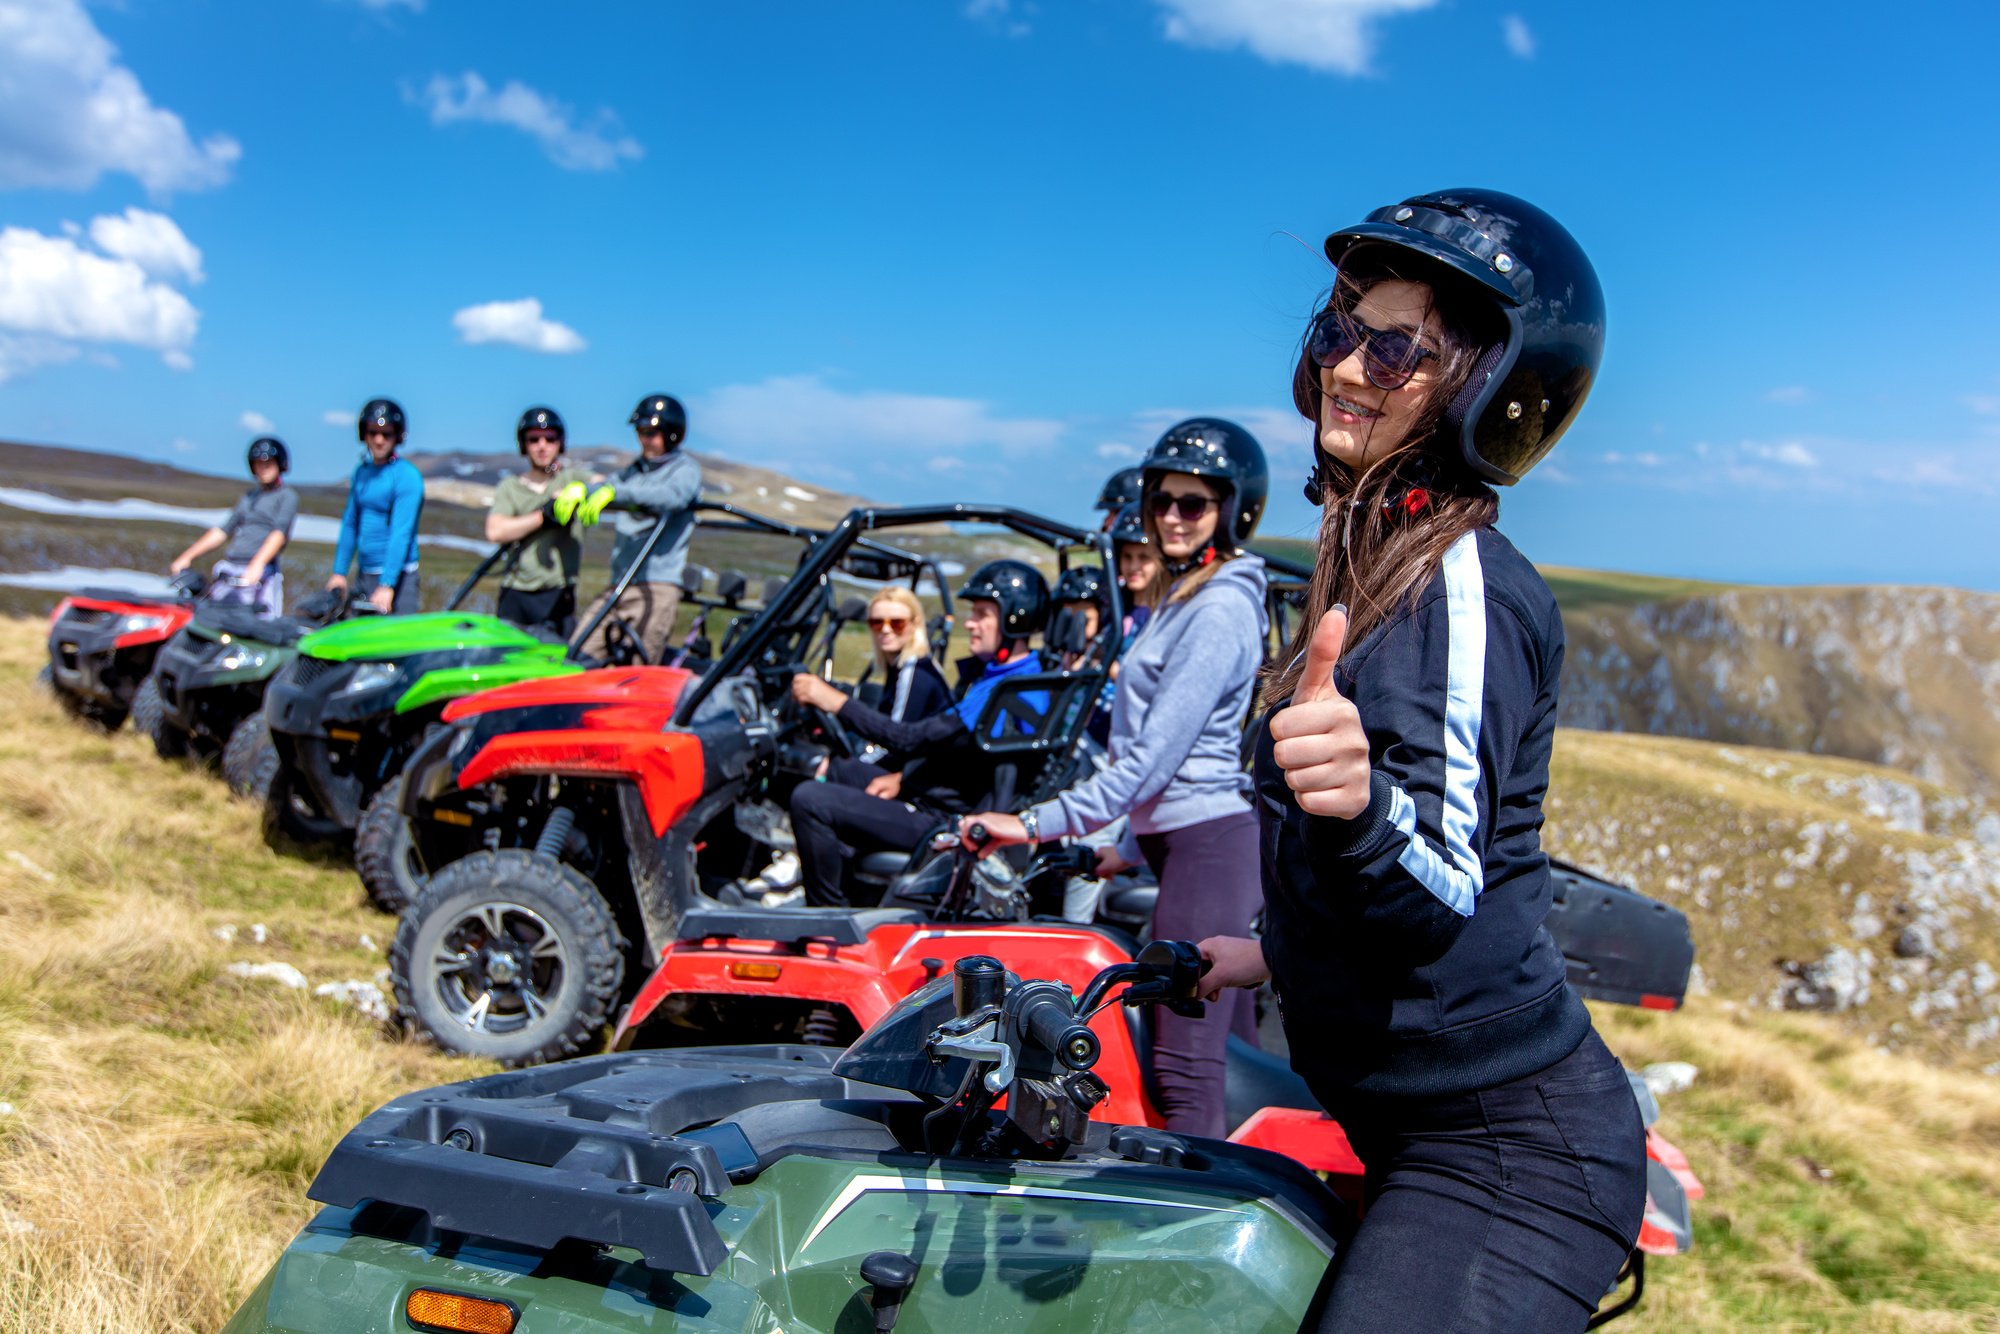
x: 1167, y: 588
x: 1374, y: 555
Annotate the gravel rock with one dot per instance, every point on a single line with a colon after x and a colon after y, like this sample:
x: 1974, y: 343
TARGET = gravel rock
x: 1668, y: 1077
x: 282, y: 973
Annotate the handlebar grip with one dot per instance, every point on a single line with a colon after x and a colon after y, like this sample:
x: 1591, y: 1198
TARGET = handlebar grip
x: 1052, y: 1025
x: 979, y: 834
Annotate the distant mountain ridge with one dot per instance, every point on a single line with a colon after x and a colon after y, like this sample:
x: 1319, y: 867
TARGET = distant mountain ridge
x: 1906, y: 677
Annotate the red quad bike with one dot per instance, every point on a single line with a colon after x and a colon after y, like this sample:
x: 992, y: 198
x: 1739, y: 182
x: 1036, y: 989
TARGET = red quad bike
x: 568, y: 823
x: 102, y: 643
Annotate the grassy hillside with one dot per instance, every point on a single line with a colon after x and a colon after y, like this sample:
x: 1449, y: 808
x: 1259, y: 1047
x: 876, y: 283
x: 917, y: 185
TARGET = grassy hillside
x: 162, y: 1117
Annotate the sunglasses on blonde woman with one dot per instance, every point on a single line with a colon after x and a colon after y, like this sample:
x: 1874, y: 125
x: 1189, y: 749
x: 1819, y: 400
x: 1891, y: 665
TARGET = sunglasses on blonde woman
x: 893, y: 624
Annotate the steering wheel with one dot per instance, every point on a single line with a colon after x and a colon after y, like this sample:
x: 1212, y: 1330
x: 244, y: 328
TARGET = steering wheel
x: 622, y: 645
x: 838, y: 740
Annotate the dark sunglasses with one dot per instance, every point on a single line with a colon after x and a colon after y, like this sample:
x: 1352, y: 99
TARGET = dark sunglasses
x: 543, y: 438
x: 895, y: 624
x: 1191, y: 507
x: 1389, y: 357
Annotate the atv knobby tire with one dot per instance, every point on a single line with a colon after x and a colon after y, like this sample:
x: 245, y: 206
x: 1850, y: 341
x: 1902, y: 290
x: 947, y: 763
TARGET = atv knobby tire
x: 249, y: 759
x: 493, y: 929
x: 385, y: 853
x: 110, y: 718
x: 149, y: 718
x: 289, y: 818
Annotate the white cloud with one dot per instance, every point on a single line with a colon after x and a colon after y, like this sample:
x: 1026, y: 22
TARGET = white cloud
x: 596, y: 145
x: 150, y: 240
x: 1790, y: 453
x: 803, y: 413
x: 70, y: 112
x: 1789, y: 394
x: 338, y: 417
x: 55, y: 292
x: 1113, y: 452
x: 1514, y: 31
x: 519, y: 323
x: 1335, y: 36
x: 183, y: 445
x: 1986, y: 405
x: 257, y: 422
x: 1000, y: 13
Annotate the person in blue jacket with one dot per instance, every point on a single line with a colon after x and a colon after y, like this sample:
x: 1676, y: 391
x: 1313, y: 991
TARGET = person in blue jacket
x: 1400, y: 777
x: 1176, y: 765
x: 378, y: 529
x: 941, y: 770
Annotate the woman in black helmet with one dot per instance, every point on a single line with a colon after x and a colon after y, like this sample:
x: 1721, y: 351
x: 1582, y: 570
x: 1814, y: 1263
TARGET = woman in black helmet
x: 1400, y: 778
x: 1176, y: 767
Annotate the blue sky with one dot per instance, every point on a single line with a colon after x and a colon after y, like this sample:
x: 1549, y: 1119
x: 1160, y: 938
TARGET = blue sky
x: 946, y: 249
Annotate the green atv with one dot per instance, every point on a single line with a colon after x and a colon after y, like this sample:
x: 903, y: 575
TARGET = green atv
x: 359, y: 697
x: 807, y: 1190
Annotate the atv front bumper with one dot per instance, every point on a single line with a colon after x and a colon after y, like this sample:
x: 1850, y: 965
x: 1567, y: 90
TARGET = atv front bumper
x: 86, y: 659
x: 207, y: 685
x: 337, y: 731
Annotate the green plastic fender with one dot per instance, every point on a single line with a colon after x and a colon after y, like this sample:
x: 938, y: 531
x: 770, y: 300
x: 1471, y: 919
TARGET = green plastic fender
x: 448, y: 683
x: 382, y: 637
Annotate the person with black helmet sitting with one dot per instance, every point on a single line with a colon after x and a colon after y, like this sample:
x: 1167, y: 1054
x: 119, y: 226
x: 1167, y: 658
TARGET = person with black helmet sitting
x: 1176, y: 737
x: 942, y: 771
x: 255, y: 532
x: 663, y: 480
x: 1120, y: 489
x: 1081, y: 608
x: 543, y: 509
x: 1400, y: 777
x: 385, y: 502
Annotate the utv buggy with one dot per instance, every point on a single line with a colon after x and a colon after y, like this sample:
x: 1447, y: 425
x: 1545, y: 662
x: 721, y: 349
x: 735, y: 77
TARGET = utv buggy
x: 568, y: 825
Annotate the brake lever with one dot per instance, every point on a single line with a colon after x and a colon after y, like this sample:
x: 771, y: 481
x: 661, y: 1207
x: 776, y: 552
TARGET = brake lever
x: 982, y: 1045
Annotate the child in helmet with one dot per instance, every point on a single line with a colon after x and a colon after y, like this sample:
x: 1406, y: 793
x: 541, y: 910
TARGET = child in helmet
x: 1400, y: 777
x: 255, y: 532
x: 542, y: 509
x: 941, y: 770
x: 385, y: 502
x: 1176, y: 728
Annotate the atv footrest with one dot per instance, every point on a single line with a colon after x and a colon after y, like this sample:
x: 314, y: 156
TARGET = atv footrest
x: 591, y: 1150
x: 839, y: 926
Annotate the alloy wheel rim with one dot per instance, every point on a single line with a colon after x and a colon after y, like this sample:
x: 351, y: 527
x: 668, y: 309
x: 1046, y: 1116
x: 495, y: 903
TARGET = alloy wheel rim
x: 498, y: 968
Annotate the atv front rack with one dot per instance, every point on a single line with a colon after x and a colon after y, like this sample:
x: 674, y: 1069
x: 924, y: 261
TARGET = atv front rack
x: 596, y: 1150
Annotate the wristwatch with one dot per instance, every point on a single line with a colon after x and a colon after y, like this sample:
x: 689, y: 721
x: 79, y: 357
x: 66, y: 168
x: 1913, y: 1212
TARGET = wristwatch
x: 1031, y: 825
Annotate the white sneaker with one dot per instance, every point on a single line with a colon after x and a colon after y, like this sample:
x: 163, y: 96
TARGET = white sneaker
x: 784, y: 898
x: 783, y: 872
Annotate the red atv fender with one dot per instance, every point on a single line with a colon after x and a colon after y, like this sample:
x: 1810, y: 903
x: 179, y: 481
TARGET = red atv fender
x: 166, y: 618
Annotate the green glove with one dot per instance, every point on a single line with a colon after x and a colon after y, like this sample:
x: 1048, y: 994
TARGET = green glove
x: 592, y: 507
x: 563, y: 505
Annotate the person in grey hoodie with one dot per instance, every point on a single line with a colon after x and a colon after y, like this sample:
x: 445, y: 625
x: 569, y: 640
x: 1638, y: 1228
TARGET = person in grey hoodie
x: 661, y: 481
x: 1176, y: 768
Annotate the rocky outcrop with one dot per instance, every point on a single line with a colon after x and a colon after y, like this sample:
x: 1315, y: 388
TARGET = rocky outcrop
x: 1905, y: 677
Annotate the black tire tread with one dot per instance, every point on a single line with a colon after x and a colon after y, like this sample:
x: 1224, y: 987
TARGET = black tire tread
x: 378, y: 849
x: 599, y: 945
x: 149, y: 719
x: 249, y: 759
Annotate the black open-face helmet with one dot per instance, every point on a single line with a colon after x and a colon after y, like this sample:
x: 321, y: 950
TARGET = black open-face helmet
x: 1082, y: 583
x: 1020, y: 590
x: 662, y: 412
x: 1128, y: 527
x: 269, y: 447
x: 379, y: 413
x: 540, y: 419
x: 1524, y: 392
x: 1120, y: 489
x: 1224, y: 453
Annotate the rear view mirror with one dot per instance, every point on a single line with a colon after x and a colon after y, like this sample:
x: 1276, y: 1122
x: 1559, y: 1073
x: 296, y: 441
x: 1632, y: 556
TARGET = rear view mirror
x: 876, y: 567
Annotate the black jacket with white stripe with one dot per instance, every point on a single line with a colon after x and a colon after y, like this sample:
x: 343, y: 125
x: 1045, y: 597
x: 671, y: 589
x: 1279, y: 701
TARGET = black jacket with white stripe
x: 1407, y: 945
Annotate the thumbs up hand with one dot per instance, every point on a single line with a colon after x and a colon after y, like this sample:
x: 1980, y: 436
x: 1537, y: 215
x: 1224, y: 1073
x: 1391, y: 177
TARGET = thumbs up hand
x: 1319, y: 740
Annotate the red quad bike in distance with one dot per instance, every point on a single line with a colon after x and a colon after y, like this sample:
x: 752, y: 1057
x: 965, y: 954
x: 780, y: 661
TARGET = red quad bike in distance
x: 102, y: 642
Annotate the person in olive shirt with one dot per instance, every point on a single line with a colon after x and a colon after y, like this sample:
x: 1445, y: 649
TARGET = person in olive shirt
x: 253, y: 535
x: 538, y: 587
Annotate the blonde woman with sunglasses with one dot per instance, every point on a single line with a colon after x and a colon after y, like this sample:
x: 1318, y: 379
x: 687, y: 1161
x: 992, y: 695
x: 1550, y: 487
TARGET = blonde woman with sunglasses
x: 912, y: 685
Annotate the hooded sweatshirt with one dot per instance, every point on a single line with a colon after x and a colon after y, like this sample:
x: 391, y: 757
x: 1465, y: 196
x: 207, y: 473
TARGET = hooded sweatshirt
x: 1177, y: 723
x: 667, y: 485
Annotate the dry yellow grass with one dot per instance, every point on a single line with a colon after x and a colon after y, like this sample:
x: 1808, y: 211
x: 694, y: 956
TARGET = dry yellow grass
x: 167, y: 1116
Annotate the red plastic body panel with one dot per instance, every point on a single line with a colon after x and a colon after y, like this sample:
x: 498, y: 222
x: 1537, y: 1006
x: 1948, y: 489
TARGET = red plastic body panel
x: 867, y: 979
x: 1668, y: 1155
x: 666, y: 766
x: 650, y: 693
x: 173, y: 615
x: 1310, y: 1138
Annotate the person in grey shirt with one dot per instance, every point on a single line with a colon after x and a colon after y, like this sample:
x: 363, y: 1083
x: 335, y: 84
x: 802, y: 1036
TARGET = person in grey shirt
x: 661, y: 481
x: 252, y: 536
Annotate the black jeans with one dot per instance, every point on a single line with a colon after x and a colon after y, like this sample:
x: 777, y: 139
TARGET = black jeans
x: 1210, y: 885
x: 405, y: 597
x: 550, y: 608
x: 1508, y: 1209
x: 835, y: 820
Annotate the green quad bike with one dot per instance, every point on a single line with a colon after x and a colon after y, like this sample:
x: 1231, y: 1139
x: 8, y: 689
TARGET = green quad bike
x: 206, y: 693
x: 814, y: 1191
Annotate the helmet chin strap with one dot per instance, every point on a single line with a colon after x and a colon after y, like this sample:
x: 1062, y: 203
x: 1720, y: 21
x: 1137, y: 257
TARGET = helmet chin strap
x: 1206, y: 556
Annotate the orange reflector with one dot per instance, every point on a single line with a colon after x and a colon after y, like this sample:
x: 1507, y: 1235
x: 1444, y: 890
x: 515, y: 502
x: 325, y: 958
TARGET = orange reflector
x: 452, y: 817
x: 342, y: 734
x: 756, y: 972
x: 1648, y: 1001
x: 462, y: 1315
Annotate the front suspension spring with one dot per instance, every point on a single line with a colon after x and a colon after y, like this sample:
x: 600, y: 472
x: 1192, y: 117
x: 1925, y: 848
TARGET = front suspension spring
x: 822, y: 1028
x: 555, y: 834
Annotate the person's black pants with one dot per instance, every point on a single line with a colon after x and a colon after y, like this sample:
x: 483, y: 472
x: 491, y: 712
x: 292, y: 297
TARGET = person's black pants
x: 1508, y: 1209
x: 835, y: 820
x: 550, y: 608
x: 405, y: 598
x: 1210, y: 885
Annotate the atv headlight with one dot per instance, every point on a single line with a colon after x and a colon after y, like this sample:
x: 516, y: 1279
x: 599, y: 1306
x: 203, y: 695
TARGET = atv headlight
x: 371, y: 676
x: 132, y: 625
x: 239, y: 658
